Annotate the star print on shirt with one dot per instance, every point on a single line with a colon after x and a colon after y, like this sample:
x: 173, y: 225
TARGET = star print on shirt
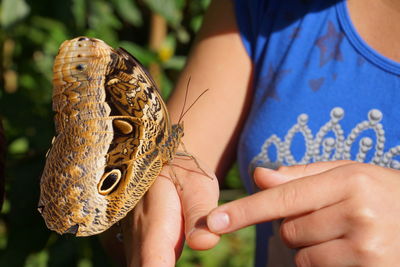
x: 316, y: 84
x: 271, y: 80
x: 329, y: 44
x: 360, y: 61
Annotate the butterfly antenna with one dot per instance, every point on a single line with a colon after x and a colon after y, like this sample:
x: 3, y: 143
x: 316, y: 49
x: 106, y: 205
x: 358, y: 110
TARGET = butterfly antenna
x: 184, y: 101
x: 184, y: 113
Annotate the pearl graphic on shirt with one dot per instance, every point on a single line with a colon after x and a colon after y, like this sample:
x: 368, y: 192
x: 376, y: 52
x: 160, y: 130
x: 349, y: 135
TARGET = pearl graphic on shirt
x: 330, y: 143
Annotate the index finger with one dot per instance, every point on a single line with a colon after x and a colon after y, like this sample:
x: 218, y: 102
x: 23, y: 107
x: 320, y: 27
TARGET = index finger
x: 267, y: 178
x: 293, y: 198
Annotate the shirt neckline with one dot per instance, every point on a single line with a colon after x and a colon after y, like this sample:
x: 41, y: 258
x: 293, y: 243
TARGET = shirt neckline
x: 362, y: 46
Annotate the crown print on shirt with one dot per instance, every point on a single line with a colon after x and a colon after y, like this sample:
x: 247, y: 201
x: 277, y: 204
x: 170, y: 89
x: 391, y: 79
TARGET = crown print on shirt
x: 330, y: 143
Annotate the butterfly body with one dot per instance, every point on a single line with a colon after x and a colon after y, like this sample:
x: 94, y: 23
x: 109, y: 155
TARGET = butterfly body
x: 113, y: 136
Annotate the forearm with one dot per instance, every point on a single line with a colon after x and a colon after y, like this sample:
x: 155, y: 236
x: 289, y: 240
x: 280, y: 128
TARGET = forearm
x: 218, y: 61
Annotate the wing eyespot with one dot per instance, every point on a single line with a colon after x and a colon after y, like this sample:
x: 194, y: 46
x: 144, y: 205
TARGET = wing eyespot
x: 80, y: 67
x: 109, y: 181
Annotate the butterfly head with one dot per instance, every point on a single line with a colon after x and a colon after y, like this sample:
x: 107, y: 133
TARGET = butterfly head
x: 79, y: 60
x: 177, y: 133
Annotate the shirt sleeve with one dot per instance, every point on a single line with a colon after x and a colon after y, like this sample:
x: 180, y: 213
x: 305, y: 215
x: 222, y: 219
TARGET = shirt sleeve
x: 250, y: 15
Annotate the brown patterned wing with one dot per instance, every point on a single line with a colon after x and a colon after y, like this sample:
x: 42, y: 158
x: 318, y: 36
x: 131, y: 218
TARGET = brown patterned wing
x: 112, y: 127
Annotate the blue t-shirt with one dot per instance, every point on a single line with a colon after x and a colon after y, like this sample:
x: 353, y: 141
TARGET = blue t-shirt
x: 320, y: 92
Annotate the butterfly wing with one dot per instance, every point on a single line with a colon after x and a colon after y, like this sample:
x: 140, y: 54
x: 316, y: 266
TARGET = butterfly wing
x: 110, y: 120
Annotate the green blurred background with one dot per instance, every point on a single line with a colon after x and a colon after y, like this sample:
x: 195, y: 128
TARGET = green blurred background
x: 159, y: 33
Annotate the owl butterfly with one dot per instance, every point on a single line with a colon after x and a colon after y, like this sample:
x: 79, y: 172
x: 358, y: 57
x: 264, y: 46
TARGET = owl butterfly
x: 113, y: 136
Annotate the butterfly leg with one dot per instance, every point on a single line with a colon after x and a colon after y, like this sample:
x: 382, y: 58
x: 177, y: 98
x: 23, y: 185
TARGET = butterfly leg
x: 190, y: 156
x: 174, y: 177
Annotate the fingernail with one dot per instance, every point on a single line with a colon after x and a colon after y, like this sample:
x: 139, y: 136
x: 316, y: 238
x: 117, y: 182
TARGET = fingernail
x: 218, y: 222
x: 200, y: 224
x: 191, y: 231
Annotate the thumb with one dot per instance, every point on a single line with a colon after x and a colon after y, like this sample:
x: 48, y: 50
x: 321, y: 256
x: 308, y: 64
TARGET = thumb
x: 199, y: 195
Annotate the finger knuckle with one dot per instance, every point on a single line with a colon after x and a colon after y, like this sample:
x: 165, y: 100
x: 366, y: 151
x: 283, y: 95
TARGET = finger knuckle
x: 288, y: 197
x: 302, y: 259
x: 289, y: 233
x: 360, y: 179
x: 368, y: 250
x: 364, y: 216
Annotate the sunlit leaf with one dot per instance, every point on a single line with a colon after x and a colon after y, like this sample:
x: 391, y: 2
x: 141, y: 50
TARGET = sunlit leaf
x: 144, y: 55
x: 168, y: 9
x: 52, y: 31
x: 196, y: 22
x: 6, y: 206
x: 176, y: 63
x: 102, y: 21
x: 182, y: 35
x: 39, y: 259
x: 19, y: 146
x: 85, y: 263
x: 12, y: 11
x: 166, y: 86
x: 205, y: 3
x: 128, y: 10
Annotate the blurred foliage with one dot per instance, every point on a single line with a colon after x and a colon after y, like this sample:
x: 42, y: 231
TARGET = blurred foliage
x: 234, y: 250
x: 30, y: 34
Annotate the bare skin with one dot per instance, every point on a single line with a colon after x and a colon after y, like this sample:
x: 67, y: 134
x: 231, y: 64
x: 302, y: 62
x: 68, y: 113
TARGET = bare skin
x: 377, y: 22
x: 350, y: 214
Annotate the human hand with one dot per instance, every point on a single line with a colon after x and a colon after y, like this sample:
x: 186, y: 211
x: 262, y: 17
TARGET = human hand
x: 337, y: 213
x: 154, y: 232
